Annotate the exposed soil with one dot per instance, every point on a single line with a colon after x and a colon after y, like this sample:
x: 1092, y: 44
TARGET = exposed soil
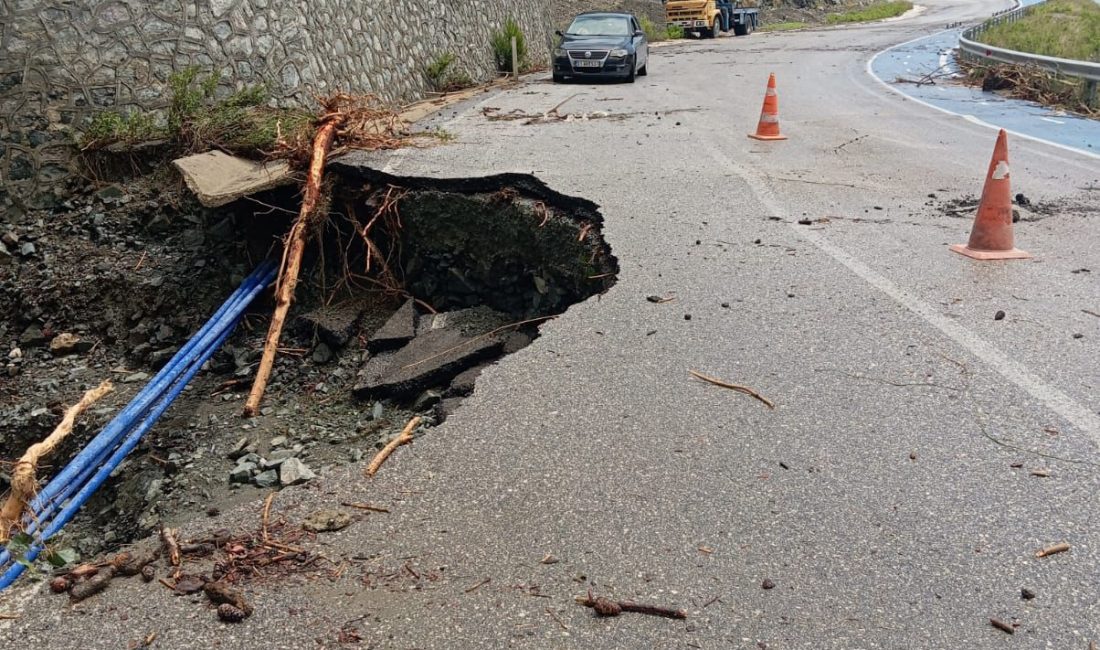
x: 134, y: 268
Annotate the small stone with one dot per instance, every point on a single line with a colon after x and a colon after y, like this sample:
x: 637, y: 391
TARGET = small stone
x: 805, y: 222
x: 9, y: 238
x: 242, y: 473
x: 267, y: 479
x: 327, y: 521
x: 15, y: 354
x: 1078, y: 335
x: 136, y: 377
x: 377, y: 411
x: 239, y: 449
x: 725, y: 305
x: 322, y: 353
x: 64, y: 343
x: 32, y: 337
x: 1027, y: 594
x: 767, y: 584
x: 293, y: 471
x: 148, y: 572
x: 27, y: 249
x: 278, y: 441
x: 230, y: 613
x: 427, y: 400
x: 1000, y: 315
x: 212, y: 512
x: 687, y: 316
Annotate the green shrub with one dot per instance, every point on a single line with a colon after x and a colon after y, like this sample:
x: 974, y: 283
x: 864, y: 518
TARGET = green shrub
x: 675, y: 31
x: 1069, y: 29
x: 133, y: 126
x: 501, y: 43
x: 653, y: 31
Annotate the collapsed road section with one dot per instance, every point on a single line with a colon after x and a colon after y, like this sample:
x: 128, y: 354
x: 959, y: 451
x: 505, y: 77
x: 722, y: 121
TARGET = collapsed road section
x: 409, y: 289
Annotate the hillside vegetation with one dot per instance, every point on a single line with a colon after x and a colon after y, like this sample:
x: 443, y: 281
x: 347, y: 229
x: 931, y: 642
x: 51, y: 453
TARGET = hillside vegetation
x: 1069, y: 29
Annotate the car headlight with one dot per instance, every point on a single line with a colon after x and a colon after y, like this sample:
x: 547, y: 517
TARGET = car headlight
x: 619, y: 53
x: 558, y: 53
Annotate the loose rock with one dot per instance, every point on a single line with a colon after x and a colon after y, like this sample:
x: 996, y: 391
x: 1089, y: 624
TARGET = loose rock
x: 327, y: 521
x: 294, y: 471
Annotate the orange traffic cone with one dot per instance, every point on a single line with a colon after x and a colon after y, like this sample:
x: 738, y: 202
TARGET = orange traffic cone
x: 991, y: 236
x: 768, y: 128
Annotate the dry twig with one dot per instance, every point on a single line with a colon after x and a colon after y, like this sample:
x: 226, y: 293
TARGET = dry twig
x: 737, y: 387
x: 608, y: 607
x: 405, y: 437
x: 1054, y: 549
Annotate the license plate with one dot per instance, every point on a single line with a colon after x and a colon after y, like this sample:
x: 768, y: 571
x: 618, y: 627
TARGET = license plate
x: 587, y: 64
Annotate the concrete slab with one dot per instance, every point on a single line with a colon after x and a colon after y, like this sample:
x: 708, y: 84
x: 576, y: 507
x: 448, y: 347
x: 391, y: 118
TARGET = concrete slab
x: 398, y: 330
x: 218, y: 178
x: 430, y: 359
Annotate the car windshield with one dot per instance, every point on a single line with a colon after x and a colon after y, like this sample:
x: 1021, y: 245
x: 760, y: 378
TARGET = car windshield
x: 600, y: 26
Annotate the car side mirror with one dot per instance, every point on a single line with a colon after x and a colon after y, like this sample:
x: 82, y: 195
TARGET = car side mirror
x: 558, y: 32
x: 638, y: 32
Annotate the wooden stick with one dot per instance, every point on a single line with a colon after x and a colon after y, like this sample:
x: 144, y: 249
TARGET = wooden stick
x: 740, y: 389
x: 1002, y: 626
x: 267, y: 513
x: 23, y: 481
x: 405, y: 437
x: 608, y: 607
x: 292, y: 259
x: 1060, y: 547
x: 363, y: 506
x: 168, y: 536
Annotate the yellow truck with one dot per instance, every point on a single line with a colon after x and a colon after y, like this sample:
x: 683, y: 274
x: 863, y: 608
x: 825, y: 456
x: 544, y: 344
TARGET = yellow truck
x: 709, y: 18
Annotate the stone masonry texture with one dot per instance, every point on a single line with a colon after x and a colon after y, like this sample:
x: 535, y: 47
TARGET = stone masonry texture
x: 63, y: 61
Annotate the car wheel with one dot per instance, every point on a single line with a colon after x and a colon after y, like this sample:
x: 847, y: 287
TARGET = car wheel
x: 559, y: 78
x: 630, y: 75
x: 644, y: 70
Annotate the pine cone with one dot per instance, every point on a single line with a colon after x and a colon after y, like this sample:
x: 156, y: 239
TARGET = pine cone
x: 230, y: 613
x: 148, y: 572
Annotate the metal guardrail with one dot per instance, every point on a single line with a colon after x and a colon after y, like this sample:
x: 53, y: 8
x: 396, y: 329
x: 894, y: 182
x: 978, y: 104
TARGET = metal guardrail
x: 971, y: 47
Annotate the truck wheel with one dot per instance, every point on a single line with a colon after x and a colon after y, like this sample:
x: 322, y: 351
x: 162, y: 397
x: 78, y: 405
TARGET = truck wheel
x: 715, y: 29
x: 740, y: 29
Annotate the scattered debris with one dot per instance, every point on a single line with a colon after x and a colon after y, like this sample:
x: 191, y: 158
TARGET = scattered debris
x: 1000, y: 315
x: 1002, y: 626
x: 1054, y: 549
x: 608, y: 607
x: 478, y: 585
x: 363, y: 506
x: 171, y: 545
x: 736, y: 387
x: 398, y: 330
x: 230, y: 613
x: 1027, y: 594
x: 1041, y: 473
x: 549, y: 559
x: 405, y: 437
x: 767, y: 584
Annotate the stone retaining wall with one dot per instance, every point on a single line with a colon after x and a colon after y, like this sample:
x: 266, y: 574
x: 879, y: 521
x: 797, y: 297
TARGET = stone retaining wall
x: 62, y: 61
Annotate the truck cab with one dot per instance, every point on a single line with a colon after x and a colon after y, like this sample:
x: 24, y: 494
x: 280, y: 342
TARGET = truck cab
x: 711, y: 17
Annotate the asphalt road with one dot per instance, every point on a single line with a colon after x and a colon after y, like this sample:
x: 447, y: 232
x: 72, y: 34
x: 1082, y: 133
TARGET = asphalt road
x: 880, y: 496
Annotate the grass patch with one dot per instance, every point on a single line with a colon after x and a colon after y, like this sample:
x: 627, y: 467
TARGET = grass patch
x: 877, y: 11
x: 501, y: 43
x: 781, y: 27
x: 1069, y: 29
x: 241, y: 123
x: 444, y: 78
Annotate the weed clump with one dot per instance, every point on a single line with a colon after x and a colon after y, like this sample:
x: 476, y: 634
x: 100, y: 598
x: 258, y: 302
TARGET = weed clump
x: 501, y: 43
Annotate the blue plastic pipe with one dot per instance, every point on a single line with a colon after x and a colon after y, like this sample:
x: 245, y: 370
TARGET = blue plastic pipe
x: 104, y: 471
x: 174, y: 377
x: 114, y: 430
x: 62, y: 485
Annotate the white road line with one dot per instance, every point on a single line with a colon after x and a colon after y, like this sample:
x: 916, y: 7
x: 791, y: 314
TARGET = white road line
x: 969, y: 118
x: 1012, y: 370
x: 1047, y: 119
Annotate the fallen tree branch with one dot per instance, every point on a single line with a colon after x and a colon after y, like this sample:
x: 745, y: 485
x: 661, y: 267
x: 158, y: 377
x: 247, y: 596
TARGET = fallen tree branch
x: 737, y: 387
x: 24, y: 484
x: 292, y: 256
x: 171, y: 545
x: 405, y: 437
x: 608, y: 607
